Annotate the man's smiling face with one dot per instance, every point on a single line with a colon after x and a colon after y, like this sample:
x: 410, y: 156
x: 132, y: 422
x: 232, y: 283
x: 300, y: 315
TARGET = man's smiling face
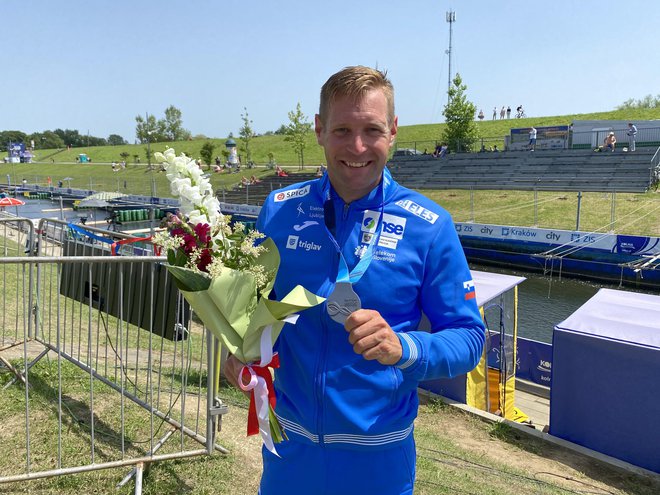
x: 356, y: 137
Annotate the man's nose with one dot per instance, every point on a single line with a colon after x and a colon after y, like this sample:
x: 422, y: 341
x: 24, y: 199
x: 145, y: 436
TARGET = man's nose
x: 358, y: 144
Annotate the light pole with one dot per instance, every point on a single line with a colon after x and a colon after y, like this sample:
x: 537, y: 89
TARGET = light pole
x: 451, y: 19
x: 148, y: 132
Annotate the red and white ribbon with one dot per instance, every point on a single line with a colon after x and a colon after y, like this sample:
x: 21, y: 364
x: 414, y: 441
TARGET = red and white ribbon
x: 260, y: 386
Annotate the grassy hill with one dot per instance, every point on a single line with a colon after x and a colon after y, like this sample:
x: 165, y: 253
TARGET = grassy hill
x: 635, y: 213
x: 419, y: 136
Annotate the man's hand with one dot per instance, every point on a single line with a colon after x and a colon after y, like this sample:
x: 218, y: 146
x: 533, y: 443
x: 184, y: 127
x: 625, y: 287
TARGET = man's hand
x: 232, y: 368
x: 372, y: 337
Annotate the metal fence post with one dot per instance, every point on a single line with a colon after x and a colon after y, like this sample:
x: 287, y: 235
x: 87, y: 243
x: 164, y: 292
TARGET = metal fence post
x: 579, y: 204
x: 613, y: 212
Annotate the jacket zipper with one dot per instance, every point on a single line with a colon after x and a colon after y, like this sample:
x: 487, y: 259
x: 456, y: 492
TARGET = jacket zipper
x: 320, y: 372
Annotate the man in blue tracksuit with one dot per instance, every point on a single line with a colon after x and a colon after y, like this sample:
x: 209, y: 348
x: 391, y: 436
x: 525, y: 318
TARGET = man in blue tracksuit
x: 382, y: 255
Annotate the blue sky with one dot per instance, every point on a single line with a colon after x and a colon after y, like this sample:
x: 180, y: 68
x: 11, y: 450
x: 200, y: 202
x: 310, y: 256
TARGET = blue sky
x: 95, y: 65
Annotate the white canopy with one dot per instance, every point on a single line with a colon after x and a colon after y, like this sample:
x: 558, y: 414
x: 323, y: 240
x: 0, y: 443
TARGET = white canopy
x: 618, y: 315
x: 490, y: 285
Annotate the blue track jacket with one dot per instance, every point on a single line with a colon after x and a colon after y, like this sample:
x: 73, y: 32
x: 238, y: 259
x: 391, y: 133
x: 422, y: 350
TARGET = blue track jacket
x: 326, y: 393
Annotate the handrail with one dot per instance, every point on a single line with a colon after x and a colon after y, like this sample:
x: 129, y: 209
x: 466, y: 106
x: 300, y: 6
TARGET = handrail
x: 655, y: 169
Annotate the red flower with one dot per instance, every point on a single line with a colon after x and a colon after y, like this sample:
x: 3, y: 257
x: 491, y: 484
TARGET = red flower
x: 205, y: 259
x: 202, y: 231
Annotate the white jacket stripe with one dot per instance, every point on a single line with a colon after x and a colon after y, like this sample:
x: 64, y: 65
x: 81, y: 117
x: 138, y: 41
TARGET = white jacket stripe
x: 370, y: 440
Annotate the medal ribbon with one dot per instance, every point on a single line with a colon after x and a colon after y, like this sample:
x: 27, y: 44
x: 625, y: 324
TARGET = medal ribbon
x: 354, y: 275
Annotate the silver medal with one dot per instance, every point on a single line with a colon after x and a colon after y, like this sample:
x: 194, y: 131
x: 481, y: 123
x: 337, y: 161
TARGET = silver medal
x: 342, y: 302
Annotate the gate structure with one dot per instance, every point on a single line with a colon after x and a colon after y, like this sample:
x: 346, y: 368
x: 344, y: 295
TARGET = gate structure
x: 101, y: 362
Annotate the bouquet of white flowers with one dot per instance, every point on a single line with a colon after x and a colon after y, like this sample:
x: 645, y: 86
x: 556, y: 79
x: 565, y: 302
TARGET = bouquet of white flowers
x: 227, y: 279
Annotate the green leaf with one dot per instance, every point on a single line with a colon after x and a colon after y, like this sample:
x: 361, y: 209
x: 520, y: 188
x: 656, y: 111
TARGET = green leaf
x: 276, y: 431
x: 171, y: 256
x: 188, y: 280
x: 180, y: 259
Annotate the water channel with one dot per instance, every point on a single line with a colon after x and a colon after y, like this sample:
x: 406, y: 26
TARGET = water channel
x: 543, y: 301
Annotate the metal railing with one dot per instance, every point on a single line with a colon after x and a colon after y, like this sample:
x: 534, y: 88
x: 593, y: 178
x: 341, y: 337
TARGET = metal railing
x: 101, y: 362
x: 589, y: 140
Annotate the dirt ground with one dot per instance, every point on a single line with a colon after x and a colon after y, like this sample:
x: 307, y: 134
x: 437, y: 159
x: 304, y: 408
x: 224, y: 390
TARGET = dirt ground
x: 574, y: 472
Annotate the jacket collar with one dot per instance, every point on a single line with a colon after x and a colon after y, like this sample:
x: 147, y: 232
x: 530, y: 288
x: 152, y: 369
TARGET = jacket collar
x: 381, y: 194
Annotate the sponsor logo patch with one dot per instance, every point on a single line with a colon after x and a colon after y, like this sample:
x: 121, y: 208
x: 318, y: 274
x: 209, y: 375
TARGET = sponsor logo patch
x: 292, y: 242
x: 370, y: 221
x: 292, y: 194
x: 391, y: 232
x: 418, y: 210
x: 304, y: 225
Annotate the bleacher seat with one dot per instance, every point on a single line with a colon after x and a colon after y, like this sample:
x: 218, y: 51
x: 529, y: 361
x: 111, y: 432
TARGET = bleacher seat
x: 558, y: 170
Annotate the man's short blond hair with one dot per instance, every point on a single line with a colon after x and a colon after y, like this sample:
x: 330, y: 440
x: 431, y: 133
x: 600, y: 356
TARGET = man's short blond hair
x: 355, y: 82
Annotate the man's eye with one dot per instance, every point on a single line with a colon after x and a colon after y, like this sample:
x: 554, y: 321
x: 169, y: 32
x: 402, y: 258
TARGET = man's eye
x: 341, y: 131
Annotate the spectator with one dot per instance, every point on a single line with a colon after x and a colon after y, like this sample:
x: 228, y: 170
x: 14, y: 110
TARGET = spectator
x: 610, y: 142
x: 502, y: 112
x: 508, y: 112
x: 254, y: 180
x: 494, y: 113
x: 279, y: 172
x: 532, y: 139
x: 244, y: 181
x: 632, y: 132
x: 440, y: 151
x: 481, y: 115
x: 495, y: 148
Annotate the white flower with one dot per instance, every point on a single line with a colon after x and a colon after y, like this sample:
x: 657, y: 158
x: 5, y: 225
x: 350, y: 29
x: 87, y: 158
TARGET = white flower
x: 193, y: 190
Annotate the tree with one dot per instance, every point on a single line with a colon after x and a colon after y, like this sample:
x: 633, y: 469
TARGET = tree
x: 147, y: 129
x: 116, y: 140
x: 45, y: 140
x: 168, y: 129
x: 461, y: 131
x: 296, y: 131
x: 172, y: 125
x: 647, y: 102
x: 207, y: 152
x: 246, y: 134
x: 11, y: 136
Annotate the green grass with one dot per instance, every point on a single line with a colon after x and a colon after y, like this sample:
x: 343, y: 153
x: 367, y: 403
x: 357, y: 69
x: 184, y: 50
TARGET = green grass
x: 456, y: 453
x: 425, y: 135
x: 634, y: 214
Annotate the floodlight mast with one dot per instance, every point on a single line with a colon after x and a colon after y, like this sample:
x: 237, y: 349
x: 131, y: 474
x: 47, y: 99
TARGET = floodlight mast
x: 451, y: 19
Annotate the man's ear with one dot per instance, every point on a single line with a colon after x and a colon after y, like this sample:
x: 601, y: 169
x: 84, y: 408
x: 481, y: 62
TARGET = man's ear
x: 318, y: 128
x: 393, y: 130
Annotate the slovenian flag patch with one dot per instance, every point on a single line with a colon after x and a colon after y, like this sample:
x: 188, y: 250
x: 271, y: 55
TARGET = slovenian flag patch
x: 469, y: 290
